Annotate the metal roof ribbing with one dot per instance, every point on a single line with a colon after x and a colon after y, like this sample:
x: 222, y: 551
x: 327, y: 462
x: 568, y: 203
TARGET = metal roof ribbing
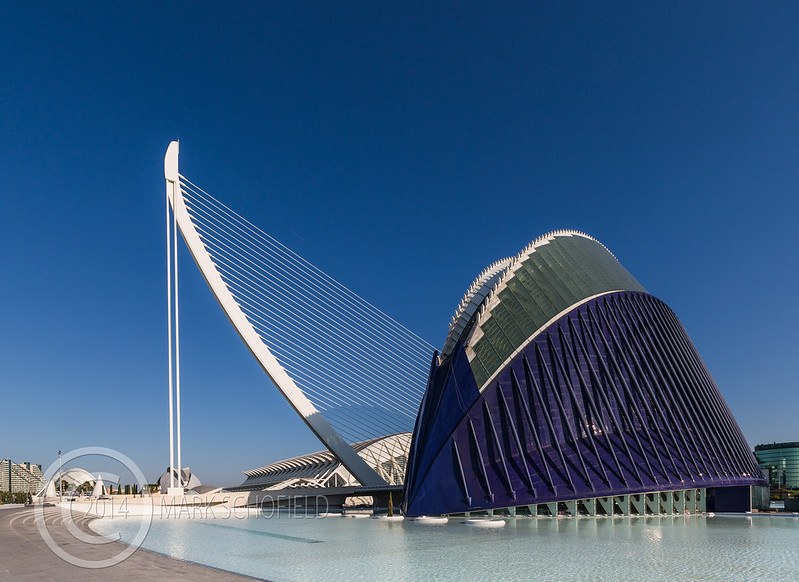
x: 550, y: 276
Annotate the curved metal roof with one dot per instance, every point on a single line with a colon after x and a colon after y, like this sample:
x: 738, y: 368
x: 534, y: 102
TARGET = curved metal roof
x: 471, y: 302
x: 551, y: 275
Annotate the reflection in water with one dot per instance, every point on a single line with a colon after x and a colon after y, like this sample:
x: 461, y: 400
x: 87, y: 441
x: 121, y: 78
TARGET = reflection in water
x: 637, y: 548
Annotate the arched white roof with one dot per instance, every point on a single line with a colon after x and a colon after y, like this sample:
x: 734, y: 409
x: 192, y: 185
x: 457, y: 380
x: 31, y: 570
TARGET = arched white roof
x: 77, y: 476
x: 386, y: 455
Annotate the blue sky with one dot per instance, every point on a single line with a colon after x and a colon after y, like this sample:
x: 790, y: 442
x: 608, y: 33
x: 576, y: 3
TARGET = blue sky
x: 399, y: 146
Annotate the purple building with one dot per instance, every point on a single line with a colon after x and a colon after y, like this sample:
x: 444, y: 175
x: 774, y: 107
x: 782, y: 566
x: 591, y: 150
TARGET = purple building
x: 564, y: 387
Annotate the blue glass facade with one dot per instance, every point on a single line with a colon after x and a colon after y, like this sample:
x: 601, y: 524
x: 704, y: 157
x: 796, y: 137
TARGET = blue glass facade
x: 780, y: 462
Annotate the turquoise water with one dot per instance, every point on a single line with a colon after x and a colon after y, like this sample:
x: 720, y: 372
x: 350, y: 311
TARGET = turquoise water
x: 282, y: 547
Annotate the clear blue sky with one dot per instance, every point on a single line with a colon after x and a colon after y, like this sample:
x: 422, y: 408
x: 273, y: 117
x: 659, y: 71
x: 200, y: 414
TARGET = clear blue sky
x: 399, y: 146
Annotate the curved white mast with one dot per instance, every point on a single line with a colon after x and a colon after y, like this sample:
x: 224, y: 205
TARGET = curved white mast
x: 295, y: 396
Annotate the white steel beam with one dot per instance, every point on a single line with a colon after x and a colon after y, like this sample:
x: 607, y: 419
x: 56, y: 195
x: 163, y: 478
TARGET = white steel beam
x: 170, y: 187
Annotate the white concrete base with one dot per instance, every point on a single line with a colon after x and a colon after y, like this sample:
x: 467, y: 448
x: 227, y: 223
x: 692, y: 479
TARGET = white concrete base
x: 176, y: 491
x: 487, y: 523
x: 430, y: 520
x: 389, y: 517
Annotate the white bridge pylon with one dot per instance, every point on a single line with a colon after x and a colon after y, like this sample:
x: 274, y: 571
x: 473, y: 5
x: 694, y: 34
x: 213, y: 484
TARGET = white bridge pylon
x: 344, y: 366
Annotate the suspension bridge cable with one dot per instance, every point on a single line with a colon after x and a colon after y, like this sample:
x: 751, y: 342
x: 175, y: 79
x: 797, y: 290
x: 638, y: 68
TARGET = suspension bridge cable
x: 364, y: 371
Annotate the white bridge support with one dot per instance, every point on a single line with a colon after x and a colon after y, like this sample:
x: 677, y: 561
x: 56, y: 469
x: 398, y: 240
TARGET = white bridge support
x: 304, y: 407
x: 173, y: 333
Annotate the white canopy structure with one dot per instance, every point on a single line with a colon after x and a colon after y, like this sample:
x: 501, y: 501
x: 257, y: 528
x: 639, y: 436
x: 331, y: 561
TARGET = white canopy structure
x: 98, y: 487
x: 77, y: 476
x: 74, y: 476
x: 387, y: 456
x: 49, y: 490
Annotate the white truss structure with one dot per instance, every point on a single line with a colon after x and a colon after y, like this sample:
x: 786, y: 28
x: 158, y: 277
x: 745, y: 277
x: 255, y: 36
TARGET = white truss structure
x: 387, y: 456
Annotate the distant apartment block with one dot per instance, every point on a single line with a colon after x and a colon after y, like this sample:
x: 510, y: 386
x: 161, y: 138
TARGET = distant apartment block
x: 20, y: 477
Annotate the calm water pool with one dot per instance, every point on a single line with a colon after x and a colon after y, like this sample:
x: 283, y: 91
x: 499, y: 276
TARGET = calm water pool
x: 282, y: 547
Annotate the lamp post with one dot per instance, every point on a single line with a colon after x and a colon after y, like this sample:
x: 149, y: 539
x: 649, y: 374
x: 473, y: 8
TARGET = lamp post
x: 59, y: 475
